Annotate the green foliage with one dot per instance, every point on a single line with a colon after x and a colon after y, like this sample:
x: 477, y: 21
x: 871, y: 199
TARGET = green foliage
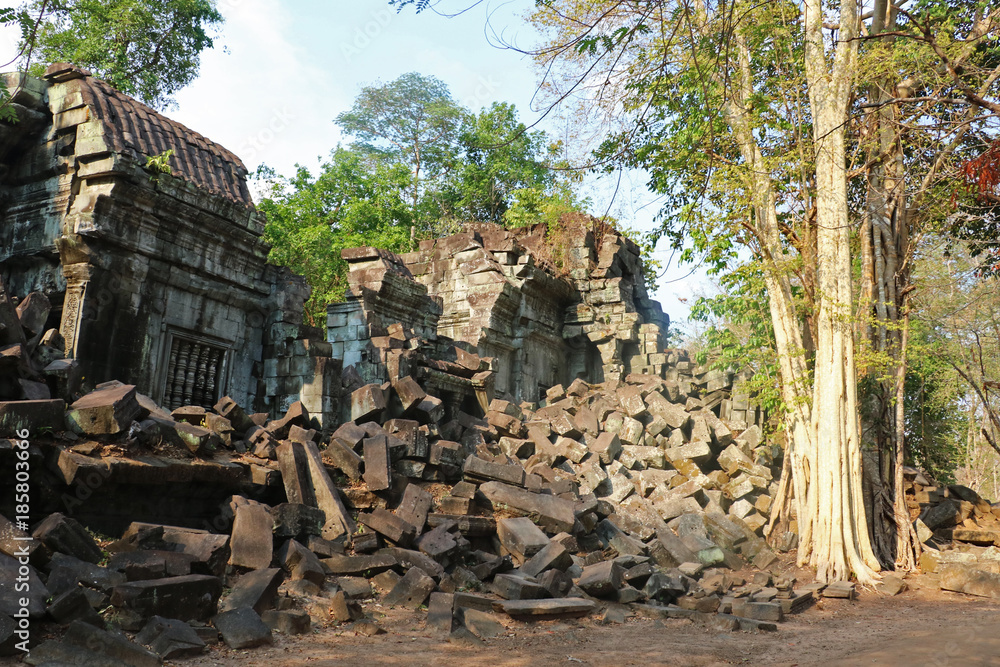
x: 148, y: 49
x: 740, y: 335
x: 413, y: 121
x: 10, y: 16
x: 933, y: 407
x: 159, y: 164
x: 499, y: 158
x: 358, y: 199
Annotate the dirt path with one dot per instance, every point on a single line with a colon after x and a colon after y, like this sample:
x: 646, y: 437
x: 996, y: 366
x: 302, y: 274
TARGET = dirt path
x: 922, y: 626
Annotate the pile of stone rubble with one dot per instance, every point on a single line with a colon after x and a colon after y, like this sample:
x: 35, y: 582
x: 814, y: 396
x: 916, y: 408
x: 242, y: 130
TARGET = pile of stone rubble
x: 960, y: 532
x: 628, y: 492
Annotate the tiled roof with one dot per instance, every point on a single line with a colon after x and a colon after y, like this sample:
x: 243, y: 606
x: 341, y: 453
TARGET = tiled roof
x: 131, y: 126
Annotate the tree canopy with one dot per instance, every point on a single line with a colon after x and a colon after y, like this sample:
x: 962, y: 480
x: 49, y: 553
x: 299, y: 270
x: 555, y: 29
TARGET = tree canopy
x: 420, y: 164
x: 148, y: 49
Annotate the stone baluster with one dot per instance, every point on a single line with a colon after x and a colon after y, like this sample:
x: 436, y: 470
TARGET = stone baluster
x: 191, y: 372
x: 183, y: 352
x: 168, y: 386
x: 200, y: 381
x: 213, y: 370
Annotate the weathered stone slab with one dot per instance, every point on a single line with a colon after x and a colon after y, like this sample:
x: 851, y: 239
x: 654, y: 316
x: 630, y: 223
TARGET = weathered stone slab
x: 73, y: 605
x: 441, y: 613
x: 552, y: 555
x: 242, y: 628
x: 378, y: 470
x: 105, y: 411
x: 31, y: 415
x: 550, y: 608
x: 210, y: 551
x: 288, y: 621
x: 338, y: 521
x: 521, y: 537
x: 411, y: 591
x: 192, y: 597
x: 409, y: 392
x: 83, y: 644
x: 468, y: 525
x: 516, y: 587
x: 64, y: 534
x: 979, y: 536
x: 480, y: 469
x: 257, y: 590
x: 300, y: 563
x: 367, y: 403
x: 297, y: 520
x: 607, y: 446
x: 415, y: 506
x: 66, y: 571
x: 343, y: 457
x: 438, y: 543
x: 390, y: 525
x: 602, y: 579
x: 251, y: 543
x: 969, y: 579
x: 482, y: 624
x: 553, y: 512
x: 367, y: 565
x: 170, y: 638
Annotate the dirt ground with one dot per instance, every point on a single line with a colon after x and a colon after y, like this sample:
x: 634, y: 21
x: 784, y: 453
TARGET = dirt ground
x: 922, y: 626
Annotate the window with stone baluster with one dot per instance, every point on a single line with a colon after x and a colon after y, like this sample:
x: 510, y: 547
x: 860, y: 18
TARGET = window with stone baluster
x: 195, y: 371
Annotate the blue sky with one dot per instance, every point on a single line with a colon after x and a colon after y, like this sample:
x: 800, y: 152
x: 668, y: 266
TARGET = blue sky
x: 283, y: 69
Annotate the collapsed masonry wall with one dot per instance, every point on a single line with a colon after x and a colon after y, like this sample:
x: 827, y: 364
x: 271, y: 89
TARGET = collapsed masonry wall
x: 545, y: 307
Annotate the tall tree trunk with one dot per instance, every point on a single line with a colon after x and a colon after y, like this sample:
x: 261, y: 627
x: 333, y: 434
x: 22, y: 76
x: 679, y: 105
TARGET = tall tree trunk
x: 790, y: 346
x: 835, y: 514
x: 885, y: 260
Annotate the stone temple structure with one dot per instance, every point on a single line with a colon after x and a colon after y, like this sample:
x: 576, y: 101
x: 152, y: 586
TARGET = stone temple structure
x: 545, y: 306
x: 142, y: 236
x: 155, y: 276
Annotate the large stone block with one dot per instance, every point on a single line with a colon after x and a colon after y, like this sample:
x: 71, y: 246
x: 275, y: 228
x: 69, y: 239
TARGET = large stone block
x: 192, y: 597
x: 105, y: 411
x: 415, y: 506
x: 602, y: 579
x: 521, y: 537
x: 410, y: 393
x: 378, y: 469
x: 367, y: 403
x: 251, y: 543
x: 389, y: 525
x: 65, y: 534
x: 338, y: 520
x: 554, y: 513
x: 31, y: 415
x: 242, y: 628
x: 411, y: 591
x: 257, y: 590
x: 969, y: 579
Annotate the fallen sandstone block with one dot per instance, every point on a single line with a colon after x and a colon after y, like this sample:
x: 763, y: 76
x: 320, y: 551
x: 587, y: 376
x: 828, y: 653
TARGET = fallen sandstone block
x: 105, y: 411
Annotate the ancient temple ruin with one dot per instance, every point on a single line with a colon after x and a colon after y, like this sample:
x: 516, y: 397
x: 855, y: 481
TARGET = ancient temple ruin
x: 143, y: 236
x: 546, y: 306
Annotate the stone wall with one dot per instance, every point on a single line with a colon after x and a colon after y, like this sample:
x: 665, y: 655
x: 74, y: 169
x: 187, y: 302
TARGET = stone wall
x: 544, y: 306
x: 159, y: 279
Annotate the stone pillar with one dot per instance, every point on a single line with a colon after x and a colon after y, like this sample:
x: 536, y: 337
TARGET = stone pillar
x: 74, y: 305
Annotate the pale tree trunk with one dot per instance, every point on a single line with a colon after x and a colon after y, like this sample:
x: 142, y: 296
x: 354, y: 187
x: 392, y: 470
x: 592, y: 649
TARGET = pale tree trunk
x: 777, y: 264
x: 833, y: 513
x: 886, y: 254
